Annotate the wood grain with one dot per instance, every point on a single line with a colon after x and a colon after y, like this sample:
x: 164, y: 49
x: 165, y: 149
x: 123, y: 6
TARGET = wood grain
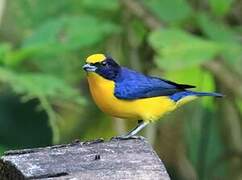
x: 115, y: 159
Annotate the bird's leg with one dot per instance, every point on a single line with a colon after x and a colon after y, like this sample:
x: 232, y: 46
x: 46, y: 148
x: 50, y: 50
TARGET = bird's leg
x: 133, y: 132
x: 139, y: 127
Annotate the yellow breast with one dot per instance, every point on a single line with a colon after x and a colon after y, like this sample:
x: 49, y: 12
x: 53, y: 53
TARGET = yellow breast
x: 148, y: 109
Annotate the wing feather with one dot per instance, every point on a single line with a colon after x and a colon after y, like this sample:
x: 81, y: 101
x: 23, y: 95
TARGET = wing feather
x: 133, y: 85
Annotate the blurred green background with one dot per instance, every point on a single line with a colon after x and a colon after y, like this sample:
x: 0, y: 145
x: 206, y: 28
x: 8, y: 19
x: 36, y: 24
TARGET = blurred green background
x: 44, y: 97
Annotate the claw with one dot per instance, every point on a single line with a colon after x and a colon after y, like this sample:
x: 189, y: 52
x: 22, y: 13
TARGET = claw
x: 137, y: 137
x: 132, y: 133
x: 126, y: 137
x: 119, y: 138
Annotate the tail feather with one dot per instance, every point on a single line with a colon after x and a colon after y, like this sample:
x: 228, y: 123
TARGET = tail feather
x: 180, y: 95
x: 206, y: 94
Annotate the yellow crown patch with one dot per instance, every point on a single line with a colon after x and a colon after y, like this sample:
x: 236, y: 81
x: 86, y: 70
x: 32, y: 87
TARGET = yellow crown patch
x: 95, y: 58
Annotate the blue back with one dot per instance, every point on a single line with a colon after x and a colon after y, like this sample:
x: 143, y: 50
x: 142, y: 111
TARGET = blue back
x: 134, y: 85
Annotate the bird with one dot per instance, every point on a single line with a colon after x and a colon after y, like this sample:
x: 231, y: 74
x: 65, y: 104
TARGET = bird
x: 125, y: 93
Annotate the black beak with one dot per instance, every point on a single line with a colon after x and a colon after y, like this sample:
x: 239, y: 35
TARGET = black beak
x: 90, y: 68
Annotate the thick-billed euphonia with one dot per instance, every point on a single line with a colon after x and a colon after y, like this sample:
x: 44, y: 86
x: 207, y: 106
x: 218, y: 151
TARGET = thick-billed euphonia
x: 128, y: 94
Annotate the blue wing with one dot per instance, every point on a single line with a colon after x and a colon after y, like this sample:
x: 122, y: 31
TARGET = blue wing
x: 133, y: 85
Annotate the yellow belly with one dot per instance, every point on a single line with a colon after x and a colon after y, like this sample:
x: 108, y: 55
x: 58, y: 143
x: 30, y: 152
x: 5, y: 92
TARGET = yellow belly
x: 147, y: 109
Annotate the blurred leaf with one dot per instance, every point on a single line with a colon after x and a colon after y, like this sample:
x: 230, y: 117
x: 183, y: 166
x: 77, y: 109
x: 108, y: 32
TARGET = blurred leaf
x: 194, y: 76
x: 104, y: 5
x: 220, y: 7
x: 34, y: 85
x: 61, y: 35
x: 29, y: 14
x: 4, y: 50
x: 179, y: 49
x: 195, y: 134
x: 14, y: 57
x: 139, y: 33
x: 46, y: 89
x: 239, y: 104
x: 70, y: 33
x: 215, y: 30
x: 170, y: 11
x: 228, y: 38
x: 233, y: 54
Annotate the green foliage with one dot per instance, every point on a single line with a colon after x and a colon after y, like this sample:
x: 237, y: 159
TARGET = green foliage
x: 179, y: 49
x: 220, y: 7
x: 198, y: 77
x: 59, y: 36
x: 170, y: 11
x: 205, y: 145
x: 34, y: 71
x: 216, y: 30
x: 44, y: 87
x: 70, y: 33
x: 104, y: 5
x: 227, y: 37
x: 33, y: 85
x: 180, y: 52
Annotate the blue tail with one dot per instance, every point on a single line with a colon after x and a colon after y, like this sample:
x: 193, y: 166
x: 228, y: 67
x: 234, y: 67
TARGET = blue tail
x: 179, y: 95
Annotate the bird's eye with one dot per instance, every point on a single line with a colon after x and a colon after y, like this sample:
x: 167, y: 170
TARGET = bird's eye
x: 104, y: 63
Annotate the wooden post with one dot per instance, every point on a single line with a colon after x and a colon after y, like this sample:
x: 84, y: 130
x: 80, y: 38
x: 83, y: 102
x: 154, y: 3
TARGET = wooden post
x: 115, y: 159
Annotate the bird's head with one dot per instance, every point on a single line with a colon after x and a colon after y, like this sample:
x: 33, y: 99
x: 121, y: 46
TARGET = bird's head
x: 102, y: 65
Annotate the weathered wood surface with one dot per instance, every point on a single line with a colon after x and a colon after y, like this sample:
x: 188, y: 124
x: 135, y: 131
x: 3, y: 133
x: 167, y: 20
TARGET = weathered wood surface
x: 116, y: 159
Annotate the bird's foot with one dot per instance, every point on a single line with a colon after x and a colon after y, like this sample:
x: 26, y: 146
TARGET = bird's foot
x: 126, y: 137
